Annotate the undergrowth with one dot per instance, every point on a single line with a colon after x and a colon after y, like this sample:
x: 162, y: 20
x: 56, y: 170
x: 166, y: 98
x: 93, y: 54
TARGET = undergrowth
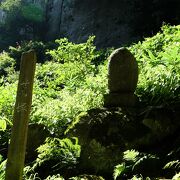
x: 75, y: 80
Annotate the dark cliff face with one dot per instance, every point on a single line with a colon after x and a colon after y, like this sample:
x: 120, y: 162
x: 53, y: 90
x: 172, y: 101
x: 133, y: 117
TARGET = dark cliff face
x: 113, y: 22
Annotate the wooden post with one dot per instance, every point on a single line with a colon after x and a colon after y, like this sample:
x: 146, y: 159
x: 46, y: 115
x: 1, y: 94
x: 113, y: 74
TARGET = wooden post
x: 17, y: 147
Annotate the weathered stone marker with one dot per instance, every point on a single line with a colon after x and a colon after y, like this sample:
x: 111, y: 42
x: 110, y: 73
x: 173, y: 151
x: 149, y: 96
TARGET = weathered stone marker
x: 122, y: 79
x: 17, y: 147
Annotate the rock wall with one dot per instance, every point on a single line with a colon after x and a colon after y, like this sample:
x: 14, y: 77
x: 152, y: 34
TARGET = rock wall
x: 114, y: 22
x: 2, y: 16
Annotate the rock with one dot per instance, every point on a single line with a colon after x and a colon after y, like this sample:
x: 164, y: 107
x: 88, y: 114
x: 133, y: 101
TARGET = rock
x: 37, y: 133
x: 163, y: 123
x: 2, y: 16
x: 123, y: 99
x: 104, y: 134
x: 54, y: 15
x: 122, y: 72
x: 122, y: 79
x: 114, y: 22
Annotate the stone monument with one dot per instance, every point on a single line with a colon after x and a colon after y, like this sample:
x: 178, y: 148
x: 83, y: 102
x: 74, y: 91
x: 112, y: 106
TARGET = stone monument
x: 122, y: 79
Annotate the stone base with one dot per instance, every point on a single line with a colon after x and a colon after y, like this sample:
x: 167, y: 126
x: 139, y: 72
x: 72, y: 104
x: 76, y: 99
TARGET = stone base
x: 119, y: 100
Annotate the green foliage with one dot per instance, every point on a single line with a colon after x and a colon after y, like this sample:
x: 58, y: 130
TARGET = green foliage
x: 24, y: 46
x: 71, y: 52
x: 2, y: 167
x: 65, y: 152
x: 133, y: 161
x: 7, y: 99
x: 139, y: 178
x: 98, y: 154
x: 173, y: 165
x: 87, y: 177
x: 118, y: 170
x: 9, y: 5
x: 74, y: 81
x: 27, y: 17
x: 55, y: 177
x: 32, y: 13
x: 3, y: 125
x: 131, y: 155
x: 6, y: 64
x: 32, y: 177
x: 35, y: 176
x: 176, y: 176
x: 159, y: 66
x: 76, y: 59
x: 63, y: 90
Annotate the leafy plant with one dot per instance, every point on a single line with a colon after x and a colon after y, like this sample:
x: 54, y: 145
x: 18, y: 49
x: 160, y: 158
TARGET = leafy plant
x: 55, y: 177
x: 118, y: 170
x: 2, y: 167
x: 159, y: 65
x: 23, y: 46
x: 76, y: 59
x: 7, y: 100
x: 65, y: 89
x: 9, y: 4
x: 74, y: 81
x: 131, y: 155
x: 36, y: 16
x: 136, y: 177
x: 173, y: 165
x: 19, y: 14
x: 87, y: 177
x: 65, y: 152
x: 133, y: 160
x: 176, y: 176
x: 6, y: 64
x: 3, y: 123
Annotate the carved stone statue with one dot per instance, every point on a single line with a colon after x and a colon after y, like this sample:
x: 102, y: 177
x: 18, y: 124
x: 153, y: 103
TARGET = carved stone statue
x: 122, y: 79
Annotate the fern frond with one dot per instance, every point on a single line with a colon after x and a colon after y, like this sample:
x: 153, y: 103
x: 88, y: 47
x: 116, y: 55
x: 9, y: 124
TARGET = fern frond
x: 130, y: 155
x: 118, y: 170
x: 176, y: 176
x: 172, y: 164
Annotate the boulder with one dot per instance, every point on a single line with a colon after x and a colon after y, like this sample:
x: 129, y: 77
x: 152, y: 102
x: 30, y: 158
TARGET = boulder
x: 104, y: 134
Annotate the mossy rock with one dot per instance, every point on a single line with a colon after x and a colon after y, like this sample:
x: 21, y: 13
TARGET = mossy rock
x: 37, y: 133
x: 112, y: 126
x: 103, y: 135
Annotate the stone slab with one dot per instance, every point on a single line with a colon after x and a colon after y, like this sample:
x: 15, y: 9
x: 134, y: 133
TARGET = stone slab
x: 119, y: 100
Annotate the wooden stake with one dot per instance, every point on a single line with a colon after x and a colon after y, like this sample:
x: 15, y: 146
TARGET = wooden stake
x: 17, y: 147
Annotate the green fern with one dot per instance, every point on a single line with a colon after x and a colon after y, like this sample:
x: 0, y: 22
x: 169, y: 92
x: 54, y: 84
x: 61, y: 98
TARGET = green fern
x: 2, y: 168
x: 172, y: 165
x: 119, y: 169
x: 142, y: 159
x: 139, y: 178
x: 131, y: 155
x: 132, y: 160
x: 176, y: 176
x: 55, y: 177
x: 66, y: 151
